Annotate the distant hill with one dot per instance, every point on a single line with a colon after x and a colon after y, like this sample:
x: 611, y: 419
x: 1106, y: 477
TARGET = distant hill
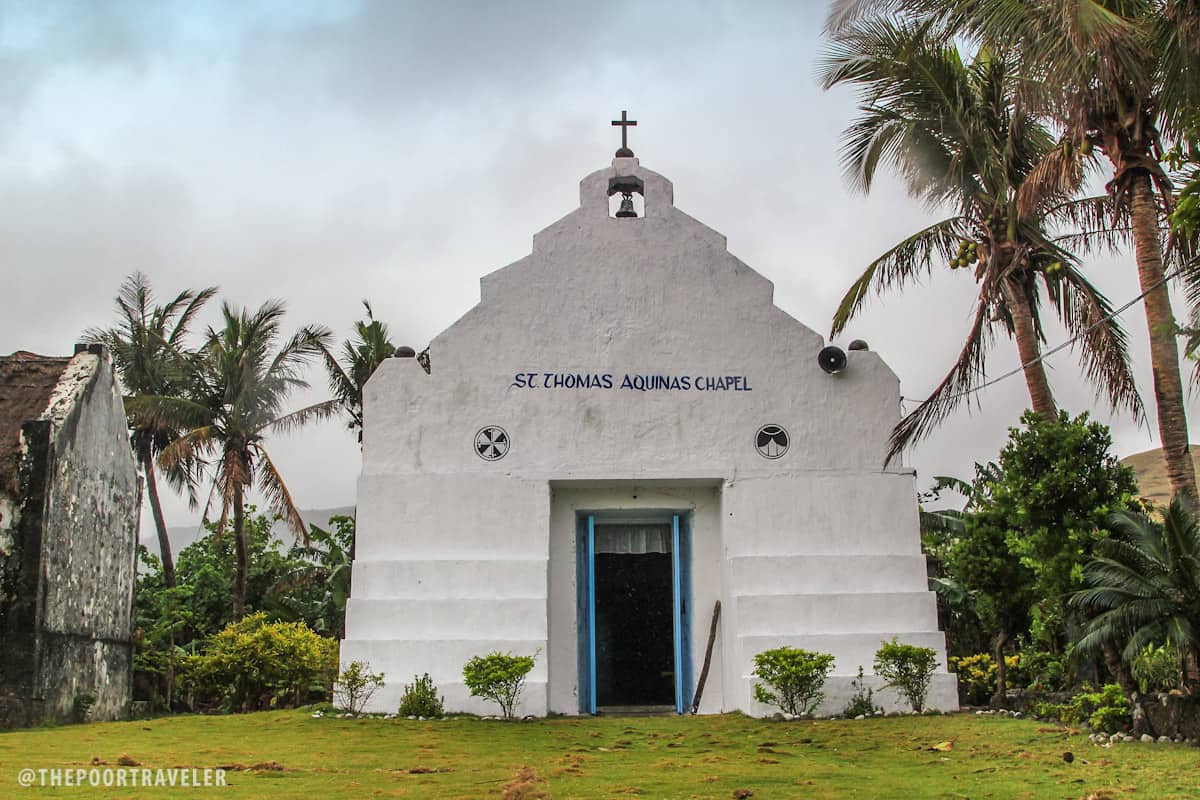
x: 183, y: 535
x: 1151, y: 473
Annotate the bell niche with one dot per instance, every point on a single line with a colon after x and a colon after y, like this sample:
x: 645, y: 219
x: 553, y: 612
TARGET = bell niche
x: 626, y: 197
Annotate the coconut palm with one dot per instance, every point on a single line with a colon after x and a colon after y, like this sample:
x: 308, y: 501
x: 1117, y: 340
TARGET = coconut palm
x: 1144, y: 587
x: 238, y: 399
x: 1121, y: 75
x: 955, y: 132
x: 360, y: 357
x: 149, y: 350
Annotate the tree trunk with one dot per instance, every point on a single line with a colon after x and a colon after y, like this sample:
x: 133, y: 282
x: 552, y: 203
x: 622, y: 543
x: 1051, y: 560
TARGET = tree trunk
x: 1029, y: 349
x: 239, y: 549
x: 160, y: 525
x: 1001, y: 696
x: 168, y: 562
x: 1191, y: 669
x: 1120, y: 672
x: 1164, y: 351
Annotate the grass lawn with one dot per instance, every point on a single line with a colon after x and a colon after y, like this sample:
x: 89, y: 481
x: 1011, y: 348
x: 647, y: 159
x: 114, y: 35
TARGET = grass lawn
x: 661, y: 757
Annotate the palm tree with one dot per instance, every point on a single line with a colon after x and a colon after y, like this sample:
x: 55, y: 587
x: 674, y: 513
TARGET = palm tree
x: 1121, y: 75
x: 1144, y: 587
x: 238, y: 399
x: 359, y: 359
x: 148, y: 348
x: 959, y: 138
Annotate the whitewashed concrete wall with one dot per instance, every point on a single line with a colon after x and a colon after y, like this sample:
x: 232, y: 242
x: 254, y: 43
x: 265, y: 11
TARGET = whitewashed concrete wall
x: 458, y: 556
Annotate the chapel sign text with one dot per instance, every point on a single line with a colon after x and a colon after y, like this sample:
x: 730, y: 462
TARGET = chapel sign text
x: 632, y: 382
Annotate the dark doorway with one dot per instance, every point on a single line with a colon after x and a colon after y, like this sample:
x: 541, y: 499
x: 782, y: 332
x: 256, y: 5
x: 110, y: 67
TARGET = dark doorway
x: 635, y: 649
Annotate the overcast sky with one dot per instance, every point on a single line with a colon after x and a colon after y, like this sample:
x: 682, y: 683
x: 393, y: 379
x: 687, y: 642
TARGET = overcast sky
x: 327, y: 152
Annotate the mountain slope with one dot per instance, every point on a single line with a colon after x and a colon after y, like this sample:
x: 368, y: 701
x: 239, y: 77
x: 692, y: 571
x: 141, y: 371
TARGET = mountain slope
x: 1151, y: 471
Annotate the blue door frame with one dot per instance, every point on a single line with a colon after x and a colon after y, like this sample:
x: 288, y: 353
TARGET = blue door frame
x: 681, y: 599
x: 591, y: 613
x: 677, y: 615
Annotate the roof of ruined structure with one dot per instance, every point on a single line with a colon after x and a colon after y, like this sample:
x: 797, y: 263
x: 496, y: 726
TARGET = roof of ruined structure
x: 27, y: 381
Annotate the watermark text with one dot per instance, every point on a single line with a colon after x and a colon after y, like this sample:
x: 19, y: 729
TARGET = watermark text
x: 181, y: 777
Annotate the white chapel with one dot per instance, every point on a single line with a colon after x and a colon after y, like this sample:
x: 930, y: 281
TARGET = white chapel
x: 624, y: 432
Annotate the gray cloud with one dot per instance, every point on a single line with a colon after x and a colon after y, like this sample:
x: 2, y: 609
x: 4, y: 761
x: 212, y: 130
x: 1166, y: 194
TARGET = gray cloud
x: 44, y: 41
x: 399, y: 151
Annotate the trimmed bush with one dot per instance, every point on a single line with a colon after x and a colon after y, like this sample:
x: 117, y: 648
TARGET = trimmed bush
x: 420, y: 698
x: 793, y: 678
x: 499, y: 677
x: 355, y: 686
x: 908, y: 669
x: 256, y: 664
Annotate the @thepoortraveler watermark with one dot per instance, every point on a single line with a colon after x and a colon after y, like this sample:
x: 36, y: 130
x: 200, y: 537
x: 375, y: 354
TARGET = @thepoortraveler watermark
x: 131, y: 777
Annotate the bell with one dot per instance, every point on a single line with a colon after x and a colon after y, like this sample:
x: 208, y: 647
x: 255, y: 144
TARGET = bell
x: 626, y: 210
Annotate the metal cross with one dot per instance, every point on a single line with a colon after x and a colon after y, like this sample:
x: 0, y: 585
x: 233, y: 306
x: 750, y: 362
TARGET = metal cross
x: 623, y: 123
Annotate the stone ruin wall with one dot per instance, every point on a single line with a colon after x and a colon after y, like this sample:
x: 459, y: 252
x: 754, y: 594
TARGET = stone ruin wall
x: 76, y: 525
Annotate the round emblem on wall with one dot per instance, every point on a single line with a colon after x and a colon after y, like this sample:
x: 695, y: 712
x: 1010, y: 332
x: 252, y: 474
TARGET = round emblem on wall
x: 771, y: 441
x: 491, y: 443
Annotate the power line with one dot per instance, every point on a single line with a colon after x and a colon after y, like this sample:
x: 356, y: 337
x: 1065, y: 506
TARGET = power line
x: 1042, y: 356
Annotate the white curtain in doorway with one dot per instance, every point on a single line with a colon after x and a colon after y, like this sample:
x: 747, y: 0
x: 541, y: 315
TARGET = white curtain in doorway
x: 633, y: 539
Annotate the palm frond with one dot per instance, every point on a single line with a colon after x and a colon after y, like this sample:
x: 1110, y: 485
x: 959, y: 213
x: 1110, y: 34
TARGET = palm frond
x: 1056, y: 175
x: 191, y: 302
x: 340, y: 384
x: 1092, y: 226
x: 900, y: 265
x: 1142, y: 585
x: 968, y: 370
x: 279, y: 499
x: 293, y: 356
x: 1103, y: 346
x: 295, y: 419
x: 188, y: 448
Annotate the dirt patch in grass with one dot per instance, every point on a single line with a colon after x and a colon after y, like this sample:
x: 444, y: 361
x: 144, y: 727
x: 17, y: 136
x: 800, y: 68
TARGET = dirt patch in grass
x: 262, y: 766
x: 525, y: 786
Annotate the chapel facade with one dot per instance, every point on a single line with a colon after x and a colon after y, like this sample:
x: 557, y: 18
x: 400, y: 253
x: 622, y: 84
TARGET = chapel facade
x: 623, y: 433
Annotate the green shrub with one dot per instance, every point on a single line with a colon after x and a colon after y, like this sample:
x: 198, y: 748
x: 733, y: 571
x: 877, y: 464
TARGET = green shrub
x: 977, y: 676
x: 1032, y: 669
x: 499, y: 677
x: 1043, y: 710
x: 908, y: 669
x: 1106, y: 711
x: 1110, y: 719
x: 793, y: 678
x: 862, y: 702
x: 1042, y: 671
x: 355, y: 686
x: 253, y: 664
x: 1157, y: 669
x: 420, y: 698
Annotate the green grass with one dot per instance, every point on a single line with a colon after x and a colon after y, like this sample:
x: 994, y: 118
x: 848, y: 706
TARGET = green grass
x: 662, y: 757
